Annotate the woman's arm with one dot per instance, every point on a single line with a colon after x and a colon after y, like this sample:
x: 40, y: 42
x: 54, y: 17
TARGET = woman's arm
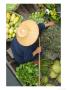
x: 51, y: 23
x: 38, y: 50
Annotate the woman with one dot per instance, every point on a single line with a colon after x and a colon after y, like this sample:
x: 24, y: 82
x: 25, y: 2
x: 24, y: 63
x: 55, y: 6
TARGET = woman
x: 25, y: 46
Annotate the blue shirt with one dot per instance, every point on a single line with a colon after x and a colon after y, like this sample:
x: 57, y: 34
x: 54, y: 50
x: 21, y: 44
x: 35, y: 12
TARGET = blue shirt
x: 23, y: 54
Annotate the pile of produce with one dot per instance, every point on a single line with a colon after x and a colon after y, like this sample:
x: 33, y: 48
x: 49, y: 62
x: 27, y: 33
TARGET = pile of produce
x: 12, y: 22
x: 52, y: 11
x: 50, y: 66
x: 50, y: 72
x: 50, y: 40
x: 37, y: 16
x: 28, y: 74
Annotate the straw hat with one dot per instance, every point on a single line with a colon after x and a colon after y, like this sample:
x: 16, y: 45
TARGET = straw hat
x: 27, y: 33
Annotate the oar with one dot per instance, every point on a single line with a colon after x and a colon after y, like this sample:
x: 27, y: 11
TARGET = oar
x: 39, y: 63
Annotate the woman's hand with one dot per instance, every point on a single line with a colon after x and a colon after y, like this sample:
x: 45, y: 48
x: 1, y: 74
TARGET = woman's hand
x: 37, y: 51
x: 51, y: 23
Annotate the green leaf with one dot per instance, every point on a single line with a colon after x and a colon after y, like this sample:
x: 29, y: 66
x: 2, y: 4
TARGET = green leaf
x: 10, y: 7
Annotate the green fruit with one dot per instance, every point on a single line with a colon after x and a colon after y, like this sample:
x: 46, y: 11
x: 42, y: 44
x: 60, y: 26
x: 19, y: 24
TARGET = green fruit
x: 56, y: 67
x: 59, y: 78
x: 44, y: 79
x: 52, y: 74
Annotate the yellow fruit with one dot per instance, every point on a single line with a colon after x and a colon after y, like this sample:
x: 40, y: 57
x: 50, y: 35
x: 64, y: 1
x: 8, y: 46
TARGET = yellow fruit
x: 7, y: 30
x: 8, y: 15
x: 16, y: 20
x: 11, y: 23
x: 12, y: 20
x: 12, y: 17
x: 11, y: 31
x: 9, y: 36
x: 15, y: 31
x: 13, y: 35
x: 7, y: 26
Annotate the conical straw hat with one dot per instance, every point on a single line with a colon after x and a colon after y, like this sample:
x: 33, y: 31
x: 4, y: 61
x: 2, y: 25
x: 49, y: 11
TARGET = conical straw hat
x: 27, y: 33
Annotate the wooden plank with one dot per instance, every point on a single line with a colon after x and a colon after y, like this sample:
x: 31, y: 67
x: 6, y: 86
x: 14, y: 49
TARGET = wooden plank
x: 9, y: 51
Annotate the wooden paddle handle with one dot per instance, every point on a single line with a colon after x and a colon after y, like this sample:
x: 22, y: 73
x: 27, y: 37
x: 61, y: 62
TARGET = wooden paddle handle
x: 39, y: 63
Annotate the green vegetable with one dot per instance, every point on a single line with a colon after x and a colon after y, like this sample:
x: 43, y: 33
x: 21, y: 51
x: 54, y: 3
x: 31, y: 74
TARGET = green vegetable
x: 28, y: 74
x: 45, y: 66
x: 44, y: 80
x: 56, y: 67
x: 10, y: 7
x: 37, y: 16
x: 45, y: 62
x: 50, y: 42
x: 59, y: 78
x: 52, y: 74
x: 44, y: 70
x: 50, y: 11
